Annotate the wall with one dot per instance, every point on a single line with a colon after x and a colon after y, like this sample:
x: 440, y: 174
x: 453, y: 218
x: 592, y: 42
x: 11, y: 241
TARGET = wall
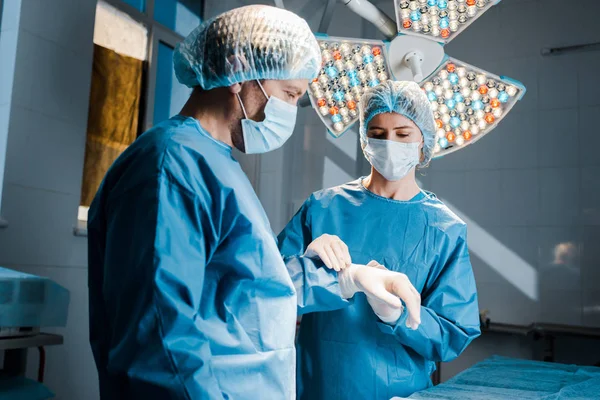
x: 44, y: 164
x: 45, y: 136
x: 45, y: 114
x: 530, y: 185
x: 527, y: 187
x: 529, y: 191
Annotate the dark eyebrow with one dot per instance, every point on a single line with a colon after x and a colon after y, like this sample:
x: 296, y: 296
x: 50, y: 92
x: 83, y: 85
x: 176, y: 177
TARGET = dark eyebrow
x: 295, y: 90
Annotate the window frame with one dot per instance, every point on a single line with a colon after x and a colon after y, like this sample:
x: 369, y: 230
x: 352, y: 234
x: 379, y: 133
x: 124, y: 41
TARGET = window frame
x: 157, y: 33
x: 3, y: 222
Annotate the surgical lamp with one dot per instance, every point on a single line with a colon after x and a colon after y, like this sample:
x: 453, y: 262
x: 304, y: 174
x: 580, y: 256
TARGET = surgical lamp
x: 468, y: 102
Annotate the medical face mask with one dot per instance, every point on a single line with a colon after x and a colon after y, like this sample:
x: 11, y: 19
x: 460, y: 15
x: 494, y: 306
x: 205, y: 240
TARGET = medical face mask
x: 273, y: 131
x: 393, y: 160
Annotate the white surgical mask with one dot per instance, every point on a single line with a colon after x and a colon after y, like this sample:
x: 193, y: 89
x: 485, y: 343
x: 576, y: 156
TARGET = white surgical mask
x: 393, y: 160
x: 274, y: 130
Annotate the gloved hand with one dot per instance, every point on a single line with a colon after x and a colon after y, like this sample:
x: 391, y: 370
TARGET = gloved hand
x: 387, y: 314
x: 385, y: 286
x: 331, y: 250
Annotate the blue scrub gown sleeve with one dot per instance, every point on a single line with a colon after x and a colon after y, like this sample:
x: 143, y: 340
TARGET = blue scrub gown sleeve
x: 317, y: 287
x: 176, y: 240
x: 449, y: 309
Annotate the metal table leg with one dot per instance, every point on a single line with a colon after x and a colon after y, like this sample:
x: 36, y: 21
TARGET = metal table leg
x: 42, y: 365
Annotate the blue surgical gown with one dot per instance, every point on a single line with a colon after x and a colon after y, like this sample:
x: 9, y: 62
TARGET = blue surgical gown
x: 349, y: 353
x: 189, y: 295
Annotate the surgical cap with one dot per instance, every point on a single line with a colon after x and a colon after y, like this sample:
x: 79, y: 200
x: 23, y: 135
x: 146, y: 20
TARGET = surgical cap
x: 404, y: 98
x: 247, y: 43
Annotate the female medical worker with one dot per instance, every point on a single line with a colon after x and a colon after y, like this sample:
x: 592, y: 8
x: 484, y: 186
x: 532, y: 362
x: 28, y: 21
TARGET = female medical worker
x: 366, y: 350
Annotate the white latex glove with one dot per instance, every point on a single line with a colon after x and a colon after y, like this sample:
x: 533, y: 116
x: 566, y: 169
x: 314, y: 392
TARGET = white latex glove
x: 331, y: 250
x: 385, y: 286
x: 389, y: 315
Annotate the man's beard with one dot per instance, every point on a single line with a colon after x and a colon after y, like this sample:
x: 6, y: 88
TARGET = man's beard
x: 255, y: 96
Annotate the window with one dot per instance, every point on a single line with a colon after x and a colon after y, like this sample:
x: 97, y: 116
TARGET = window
x: 164, y: 84
x: 120, y: 48
x: 138, y: 4
x: 133, y: 54
x: 181, y: 16
x: 170, y: 95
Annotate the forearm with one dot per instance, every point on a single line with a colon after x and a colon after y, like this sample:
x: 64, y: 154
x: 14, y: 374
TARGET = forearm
x: 436, y: 339
x: 317, y: 288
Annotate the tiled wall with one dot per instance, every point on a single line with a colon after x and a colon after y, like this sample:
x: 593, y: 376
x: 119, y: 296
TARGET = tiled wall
x: 528, y: 190
x: 44, y: 164
x: 533, y: 183
x: 528, y: 186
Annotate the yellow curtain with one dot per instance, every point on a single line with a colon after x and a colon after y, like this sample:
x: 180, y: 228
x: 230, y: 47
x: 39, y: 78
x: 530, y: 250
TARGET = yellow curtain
x: 113, y: 115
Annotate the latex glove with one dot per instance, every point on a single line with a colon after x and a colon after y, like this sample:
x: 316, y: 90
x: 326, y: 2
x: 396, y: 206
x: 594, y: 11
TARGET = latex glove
x: 385, y: 286
x: 389, y: 315
x: 331, y: 250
